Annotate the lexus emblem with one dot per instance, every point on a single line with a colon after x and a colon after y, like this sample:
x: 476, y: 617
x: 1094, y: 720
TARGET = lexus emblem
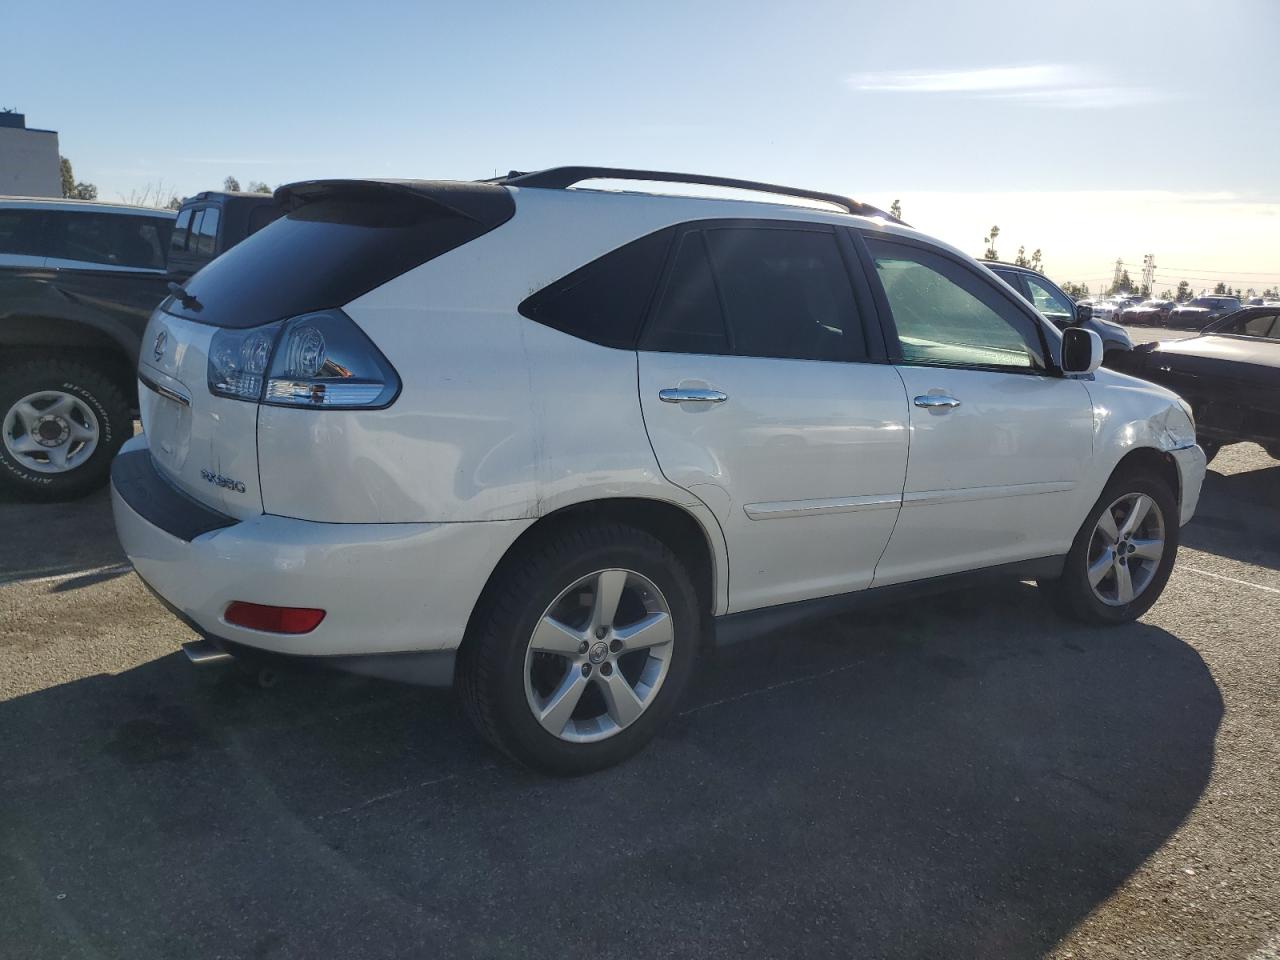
x: 157, y: 348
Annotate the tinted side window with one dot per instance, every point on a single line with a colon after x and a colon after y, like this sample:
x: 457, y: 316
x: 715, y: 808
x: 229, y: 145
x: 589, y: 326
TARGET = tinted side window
x: 1261, y: 326
x: 786, y: 293
x: 142, y: 242
x: 605, y: 301
x: 20, y: 232
x: 178, y: 241
x: 89, y: 237
x: 204, y: 234
x: 948, y: 315
x: 688, y: 318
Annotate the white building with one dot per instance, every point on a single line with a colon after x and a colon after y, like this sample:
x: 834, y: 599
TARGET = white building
x: 28, y: 159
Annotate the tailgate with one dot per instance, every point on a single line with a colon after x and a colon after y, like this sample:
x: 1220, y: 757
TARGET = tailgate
x: 207, y: 446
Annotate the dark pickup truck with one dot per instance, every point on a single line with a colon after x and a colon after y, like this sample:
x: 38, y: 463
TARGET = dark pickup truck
x: 78, y: 282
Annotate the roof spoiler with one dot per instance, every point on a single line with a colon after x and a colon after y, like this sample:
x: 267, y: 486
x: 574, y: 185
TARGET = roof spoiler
x: 561, y: 178
x: 484, y: 203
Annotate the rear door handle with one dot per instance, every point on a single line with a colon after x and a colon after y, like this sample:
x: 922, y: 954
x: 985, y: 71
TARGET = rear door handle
x: 931, y: 400
x: 691, y: 395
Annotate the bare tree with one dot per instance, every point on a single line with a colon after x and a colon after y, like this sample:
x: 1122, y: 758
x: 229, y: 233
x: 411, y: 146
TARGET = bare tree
x: 153, y: 194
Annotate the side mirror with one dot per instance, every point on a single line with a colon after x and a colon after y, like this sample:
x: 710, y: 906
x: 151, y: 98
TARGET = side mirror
x: 1084, y: 312
x: 1081, y: 350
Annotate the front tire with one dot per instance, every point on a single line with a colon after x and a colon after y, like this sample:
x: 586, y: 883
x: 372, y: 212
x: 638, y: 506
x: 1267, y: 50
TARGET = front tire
x: 580, y: 649
x: 61, y: 423
x: 1122, y: 555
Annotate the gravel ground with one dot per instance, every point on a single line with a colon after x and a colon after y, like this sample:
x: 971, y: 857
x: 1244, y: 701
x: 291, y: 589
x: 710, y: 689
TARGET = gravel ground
x: 963, y: 777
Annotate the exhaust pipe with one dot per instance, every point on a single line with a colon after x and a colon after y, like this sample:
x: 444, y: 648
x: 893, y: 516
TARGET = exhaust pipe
x: 201, y: 652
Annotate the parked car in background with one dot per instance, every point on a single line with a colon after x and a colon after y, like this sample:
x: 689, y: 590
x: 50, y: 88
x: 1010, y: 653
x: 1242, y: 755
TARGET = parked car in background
x: 1198, y: 313
x: 543, y: 443
x: 78, y: 282
x: 1102, y: 308
x: 1256, y: 323
x: 1148, y: 313
x: 1230, y: 374
x: 1047, y: 297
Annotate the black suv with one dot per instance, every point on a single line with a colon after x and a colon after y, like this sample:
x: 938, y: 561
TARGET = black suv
x: 1053, y: 303
x: 78, y: 282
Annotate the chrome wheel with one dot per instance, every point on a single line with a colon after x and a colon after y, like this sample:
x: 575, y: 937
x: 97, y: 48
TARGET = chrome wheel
x: 1126, y: 548
x: 50, y: 431
x: 598, y: 656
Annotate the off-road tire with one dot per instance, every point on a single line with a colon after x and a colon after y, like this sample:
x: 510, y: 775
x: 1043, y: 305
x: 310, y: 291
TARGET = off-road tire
x: 97, y: 391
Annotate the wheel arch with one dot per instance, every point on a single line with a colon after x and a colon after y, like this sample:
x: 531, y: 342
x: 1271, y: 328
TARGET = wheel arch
x: 1150, y: 460
x: 675, y: 525
x: 31, y: 336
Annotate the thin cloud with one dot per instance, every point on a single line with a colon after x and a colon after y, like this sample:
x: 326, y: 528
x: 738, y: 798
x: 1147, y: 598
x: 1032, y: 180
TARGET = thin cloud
x: 984, y: 79
x: 1048, y: 84
x: 233, y: 161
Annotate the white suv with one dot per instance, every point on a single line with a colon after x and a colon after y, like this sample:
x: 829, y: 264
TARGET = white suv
x: 542, y: 443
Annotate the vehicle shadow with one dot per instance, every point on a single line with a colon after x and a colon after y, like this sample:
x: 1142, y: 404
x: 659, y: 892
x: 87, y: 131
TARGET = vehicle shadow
x: 51, y: 539
x: 1237, y: 515
x: 963, y: 778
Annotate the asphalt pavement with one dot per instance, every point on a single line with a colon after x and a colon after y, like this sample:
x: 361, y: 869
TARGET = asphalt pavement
x: 962, y: 777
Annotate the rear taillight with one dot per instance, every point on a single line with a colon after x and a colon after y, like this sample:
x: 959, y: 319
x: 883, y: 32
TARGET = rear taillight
x: 258, y: 616
x: 319, y: 360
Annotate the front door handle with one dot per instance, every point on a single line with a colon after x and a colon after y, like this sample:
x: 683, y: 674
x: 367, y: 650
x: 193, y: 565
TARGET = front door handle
x: 691, y: 395
x: 931, y: 400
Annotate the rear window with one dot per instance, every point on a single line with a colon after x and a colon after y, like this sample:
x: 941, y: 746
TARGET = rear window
x: 323, y: 254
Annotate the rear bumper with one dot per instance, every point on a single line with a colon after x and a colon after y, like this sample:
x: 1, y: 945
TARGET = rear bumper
x: 386, y: 588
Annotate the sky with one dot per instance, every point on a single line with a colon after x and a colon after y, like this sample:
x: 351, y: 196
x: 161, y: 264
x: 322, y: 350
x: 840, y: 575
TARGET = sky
x: 1090, y: 130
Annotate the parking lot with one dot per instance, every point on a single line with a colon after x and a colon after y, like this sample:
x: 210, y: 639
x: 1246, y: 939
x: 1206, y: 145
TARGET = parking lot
x: 962, y: 777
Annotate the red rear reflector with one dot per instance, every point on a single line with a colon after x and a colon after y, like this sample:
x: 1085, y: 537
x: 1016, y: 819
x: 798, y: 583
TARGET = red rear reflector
x: 257, y: 616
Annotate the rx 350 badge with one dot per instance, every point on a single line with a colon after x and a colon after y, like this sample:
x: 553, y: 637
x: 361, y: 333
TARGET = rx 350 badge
x: 218, y: 480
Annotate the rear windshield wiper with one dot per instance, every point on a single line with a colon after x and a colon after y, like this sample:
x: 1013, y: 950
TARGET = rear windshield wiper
x: 187, y: 300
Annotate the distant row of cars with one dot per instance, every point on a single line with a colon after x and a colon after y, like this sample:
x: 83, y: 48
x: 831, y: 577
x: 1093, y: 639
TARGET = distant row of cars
x: 1194, y: 314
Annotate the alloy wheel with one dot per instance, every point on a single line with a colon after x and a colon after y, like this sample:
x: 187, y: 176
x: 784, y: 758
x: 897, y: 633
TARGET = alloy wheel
x: 50, y: 431
x: 599, y: 655
x: 1126, y: 548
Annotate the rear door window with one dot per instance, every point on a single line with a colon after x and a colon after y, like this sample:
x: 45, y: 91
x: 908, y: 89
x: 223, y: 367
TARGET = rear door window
x: 786, y: 293
x: 689, y: 318
x: 759, y: 291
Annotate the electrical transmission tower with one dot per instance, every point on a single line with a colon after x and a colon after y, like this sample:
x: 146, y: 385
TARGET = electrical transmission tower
x: 1115, y: 281
x: 1148, y: 271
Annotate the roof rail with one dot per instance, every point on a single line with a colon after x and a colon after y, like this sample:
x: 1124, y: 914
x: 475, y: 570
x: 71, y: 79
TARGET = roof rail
x: 561, y: 178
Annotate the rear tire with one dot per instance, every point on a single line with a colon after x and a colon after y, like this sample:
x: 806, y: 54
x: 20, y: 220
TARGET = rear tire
x: 1113, y: 578
x: 61, y: 423
x: 558, y: 647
